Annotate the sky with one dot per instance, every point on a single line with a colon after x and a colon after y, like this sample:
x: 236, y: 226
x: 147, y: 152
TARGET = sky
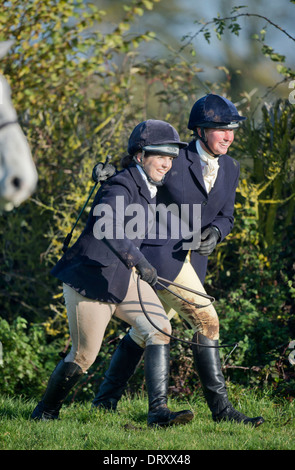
x: 173, y: 19
x: 281, y: 13
x: 181, y: 20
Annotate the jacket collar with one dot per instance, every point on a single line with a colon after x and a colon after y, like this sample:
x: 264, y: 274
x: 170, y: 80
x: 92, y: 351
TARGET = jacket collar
x: 196, y: 167
x: 141, y: 184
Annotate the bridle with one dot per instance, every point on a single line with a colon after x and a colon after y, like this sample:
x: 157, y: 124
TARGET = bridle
x: 7, y: 123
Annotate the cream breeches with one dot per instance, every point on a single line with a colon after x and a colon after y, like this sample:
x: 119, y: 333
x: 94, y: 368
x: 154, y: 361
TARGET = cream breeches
x: 204, y: 320
x: 89, y: 318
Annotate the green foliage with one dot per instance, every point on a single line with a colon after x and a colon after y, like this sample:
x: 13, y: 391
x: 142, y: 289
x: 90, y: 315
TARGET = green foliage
x: 253, y: 283
x: 267, y: 184
x: 27, y: 358
x: 220, y: 25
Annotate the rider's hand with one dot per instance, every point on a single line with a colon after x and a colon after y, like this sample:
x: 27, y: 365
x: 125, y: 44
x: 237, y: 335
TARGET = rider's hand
x: 103, y: 171
x: 147, y: 272
x: 209, y: 240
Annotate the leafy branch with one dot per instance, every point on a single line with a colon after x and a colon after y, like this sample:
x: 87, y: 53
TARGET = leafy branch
x: 234, y: 27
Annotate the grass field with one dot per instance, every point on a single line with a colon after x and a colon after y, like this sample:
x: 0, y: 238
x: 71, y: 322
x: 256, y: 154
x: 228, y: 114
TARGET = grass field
x: 81, y: 429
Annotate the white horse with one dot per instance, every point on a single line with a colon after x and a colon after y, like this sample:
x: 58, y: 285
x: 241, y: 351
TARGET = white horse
x: 18, y: 175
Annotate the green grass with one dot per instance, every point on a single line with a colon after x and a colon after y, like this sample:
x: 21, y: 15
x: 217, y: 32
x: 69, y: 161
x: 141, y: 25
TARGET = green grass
x: 81, y: 429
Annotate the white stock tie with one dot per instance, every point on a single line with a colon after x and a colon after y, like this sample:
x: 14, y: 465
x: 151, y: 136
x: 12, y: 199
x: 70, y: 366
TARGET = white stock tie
x: 210, y: 167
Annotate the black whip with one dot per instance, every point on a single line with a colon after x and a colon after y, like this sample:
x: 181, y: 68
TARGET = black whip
x: 192, y: 343
x: 69, y: 235
x: 201, y: 294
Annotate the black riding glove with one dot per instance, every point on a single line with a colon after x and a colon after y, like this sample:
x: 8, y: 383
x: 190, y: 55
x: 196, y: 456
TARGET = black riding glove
x: 103, y: 171
x: 147, y: 272
x: 209, y: 240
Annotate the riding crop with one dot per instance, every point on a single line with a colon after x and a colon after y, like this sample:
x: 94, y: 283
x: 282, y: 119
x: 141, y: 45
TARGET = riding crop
x: 192, y: 343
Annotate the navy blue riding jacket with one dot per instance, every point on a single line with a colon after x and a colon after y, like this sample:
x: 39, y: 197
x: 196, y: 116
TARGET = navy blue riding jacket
x: 184, y: 184
x: 97, y: 267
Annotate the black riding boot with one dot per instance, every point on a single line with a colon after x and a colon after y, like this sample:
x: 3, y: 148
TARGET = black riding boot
x: 123, y: 365
x: 62, y: 380
x: 156, y: 366
x: 208, y: 366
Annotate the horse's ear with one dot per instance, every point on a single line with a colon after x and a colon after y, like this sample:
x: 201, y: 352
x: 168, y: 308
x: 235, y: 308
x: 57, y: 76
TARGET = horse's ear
x: 5, y: 46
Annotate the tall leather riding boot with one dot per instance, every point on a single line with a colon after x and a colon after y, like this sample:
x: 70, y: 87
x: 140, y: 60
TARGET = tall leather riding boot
x: 123, y: 365
x: 208, y: 366
x: 156, y: 366
x: 62, y: 380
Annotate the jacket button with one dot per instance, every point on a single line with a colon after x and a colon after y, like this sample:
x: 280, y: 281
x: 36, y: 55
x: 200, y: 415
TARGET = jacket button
x: 204, y: 203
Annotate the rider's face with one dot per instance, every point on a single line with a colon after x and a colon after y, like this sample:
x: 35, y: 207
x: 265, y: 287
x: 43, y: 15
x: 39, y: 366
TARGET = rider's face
x: 156, y: 166
x: 219, y: 140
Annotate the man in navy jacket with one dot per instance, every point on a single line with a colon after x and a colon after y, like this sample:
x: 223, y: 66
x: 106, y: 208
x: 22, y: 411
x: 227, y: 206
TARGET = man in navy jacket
x: 185, y: 185
x: 203, y: 176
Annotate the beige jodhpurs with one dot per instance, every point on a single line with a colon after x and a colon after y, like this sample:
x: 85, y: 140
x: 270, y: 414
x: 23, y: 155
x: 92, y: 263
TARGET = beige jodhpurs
x: 203, y: 320
x: 89, y: 318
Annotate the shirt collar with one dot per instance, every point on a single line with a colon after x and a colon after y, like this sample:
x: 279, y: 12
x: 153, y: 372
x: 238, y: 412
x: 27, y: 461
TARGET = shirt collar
x: 205, y: 156
x: 151, y: 187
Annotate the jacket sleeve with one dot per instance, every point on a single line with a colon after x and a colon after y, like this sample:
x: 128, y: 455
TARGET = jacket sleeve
x: 110, y: 223
x: 224, y: 220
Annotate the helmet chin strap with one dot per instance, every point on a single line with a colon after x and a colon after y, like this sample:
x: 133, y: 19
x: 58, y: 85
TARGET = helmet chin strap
x: 204, y: 140
x: 150, y: 180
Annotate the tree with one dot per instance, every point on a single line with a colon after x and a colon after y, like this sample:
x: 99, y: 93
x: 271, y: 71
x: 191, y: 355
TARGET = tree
x: 73, y: 100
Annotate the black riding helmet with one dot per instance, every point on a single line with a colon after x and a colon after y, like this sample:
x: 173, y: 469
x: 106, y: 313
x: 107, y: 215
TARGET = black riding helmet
x: 154, y: 136
x: 213, y: 112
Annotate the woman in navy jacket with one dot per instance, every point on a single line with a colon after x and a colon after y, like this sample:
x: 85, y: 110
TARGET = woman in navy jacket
x: 203, y: 177
x: 99, y: 278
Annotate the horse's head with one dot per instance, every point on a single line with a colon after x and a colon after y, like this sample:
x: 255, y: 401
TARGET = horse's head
x: 18, y: 176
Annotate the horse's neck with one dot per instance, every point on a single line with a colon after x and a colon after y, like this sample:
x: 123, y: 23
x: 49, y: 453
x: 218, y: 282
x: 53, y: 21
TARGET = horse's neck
x: 7, y: 111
